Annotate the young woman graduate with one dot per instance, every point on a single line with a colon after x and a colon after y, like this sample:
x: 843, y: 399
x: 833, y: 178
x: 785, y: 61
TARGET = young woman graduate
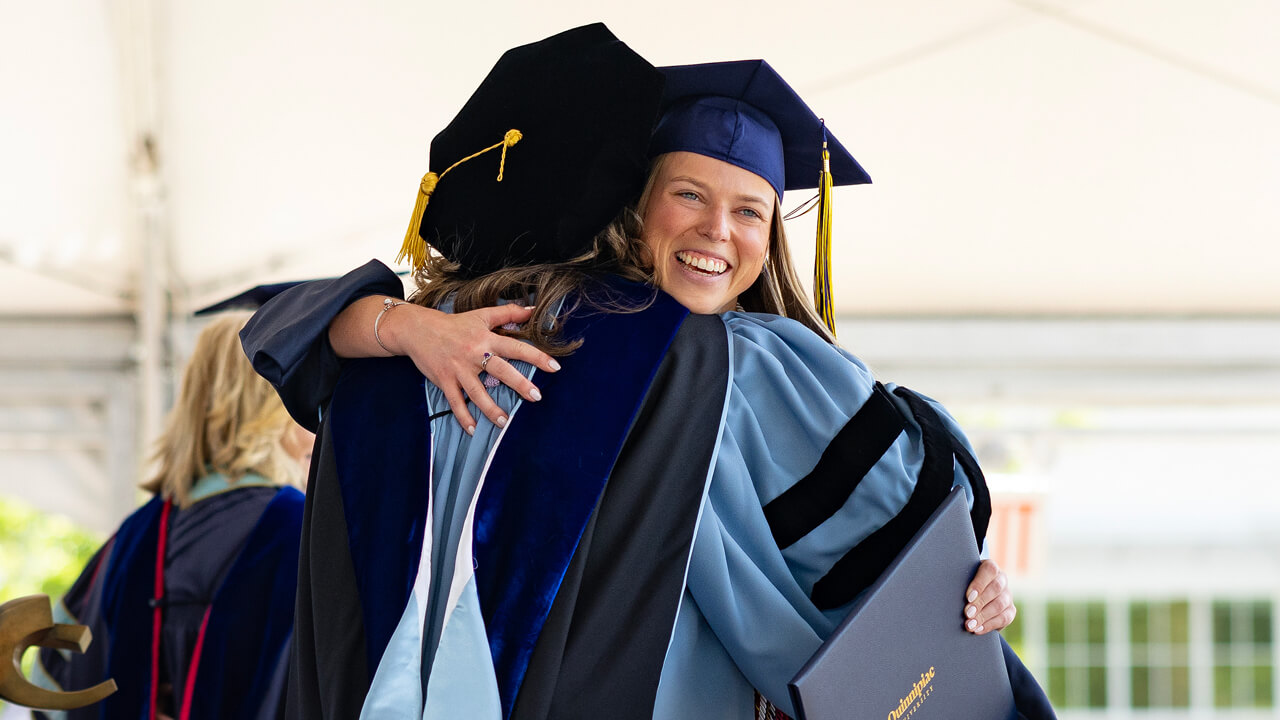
x: 678, y: 523
x: 191, y: 600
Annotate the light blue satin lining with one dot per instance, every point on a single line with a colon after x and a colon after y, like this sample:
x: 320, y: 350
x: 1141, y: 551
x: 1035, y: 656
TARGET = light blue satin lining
x: 463, y: 684
x: 215, y: 483
x: 396, y: 690
x: 747, y: 622
x: 457, y: 464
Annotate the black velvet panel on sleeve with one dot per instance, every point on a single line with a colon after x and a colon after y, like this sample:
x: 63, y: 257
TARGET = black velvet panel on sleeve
x: 933, y: 427
x: 855, y: 450
x: 860, y: 567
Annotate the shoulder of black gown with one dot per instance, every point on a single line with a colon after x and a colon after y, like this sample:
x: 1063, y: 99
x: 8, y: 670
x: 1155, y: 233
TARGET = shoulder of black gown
x: 287, y: 339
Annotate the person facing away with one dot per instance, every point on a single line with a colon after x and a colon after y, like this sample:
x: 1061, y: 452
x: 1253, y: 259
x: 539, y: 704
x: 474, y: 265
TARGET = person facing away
x: 191, y: 600
x: 677, y: 524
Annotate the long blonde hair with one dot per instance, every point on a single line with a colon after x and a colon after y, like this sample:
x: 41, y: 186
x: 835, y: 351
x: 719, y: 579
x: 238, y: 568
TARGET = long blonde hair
x: 226, y: 419
x: 616, y: 250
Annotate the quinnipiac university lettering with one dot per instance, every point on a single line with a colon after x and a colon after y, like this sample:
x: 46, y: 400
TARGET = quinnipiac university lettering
x: 916, y: 691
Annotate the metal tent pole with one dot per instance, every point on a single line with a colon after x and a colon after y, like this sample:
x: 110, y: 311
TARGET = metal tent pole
x: 137, y: 30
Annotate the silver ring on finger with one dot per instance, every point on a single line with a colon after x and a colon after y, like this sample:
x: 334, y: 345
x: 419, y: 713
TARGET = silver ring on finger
x: 484, y: 363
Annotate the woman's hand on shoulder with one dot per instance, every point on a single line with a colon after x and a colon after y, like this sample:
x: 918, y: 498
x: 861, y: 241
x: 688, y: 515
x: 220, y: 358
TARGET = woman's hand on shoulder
x: 447, y: 348
x: 988, y: 602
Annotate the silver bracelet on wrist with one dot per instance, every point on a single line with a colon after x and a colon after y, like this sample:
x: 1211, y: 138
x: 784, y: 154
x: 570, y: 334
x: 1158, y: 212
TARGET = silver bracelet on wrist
x: 387, y: 304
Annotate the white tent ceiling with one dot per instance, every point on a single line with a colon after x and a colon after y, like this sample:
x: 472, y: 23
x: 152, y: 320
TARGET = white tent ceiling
x: 1029, y: 156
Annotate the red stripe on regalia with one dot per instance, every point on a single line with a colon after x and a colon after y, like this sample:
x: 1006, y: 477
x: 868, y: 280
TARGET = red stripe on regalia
x: 157, y: 613
x: 194, y: 668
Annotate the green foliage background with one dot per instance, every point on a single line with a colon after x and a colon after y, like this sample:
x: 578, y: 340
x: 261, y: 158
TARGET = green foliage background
x: 40, y: 553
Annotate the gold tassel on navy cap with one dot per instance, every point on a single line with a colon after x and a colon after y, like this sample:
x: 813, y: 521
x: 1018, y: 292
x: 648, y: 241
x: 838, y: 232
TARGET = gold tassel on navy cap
x: 414, y: 247
x: 822, y: 254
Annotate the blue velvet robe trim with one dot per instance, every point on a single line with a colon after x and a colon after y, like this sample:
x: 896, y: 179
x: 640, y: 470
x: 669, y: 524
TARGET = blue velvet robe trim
x: 129, y: 583
x: 242, y: 644
x: 247, y: 639
x: 384, y: 485
x: 550, y: 467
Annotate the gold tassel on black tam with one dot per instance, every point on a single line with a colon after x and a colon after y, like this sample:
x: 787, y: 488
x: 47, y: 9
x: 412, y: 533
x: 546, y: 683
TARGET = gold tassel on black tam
x: 414, y: 247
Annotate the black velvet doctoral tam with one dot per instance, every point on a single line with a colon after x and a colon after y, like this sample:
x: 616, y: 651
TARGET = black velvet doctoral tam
x: 585, y: 105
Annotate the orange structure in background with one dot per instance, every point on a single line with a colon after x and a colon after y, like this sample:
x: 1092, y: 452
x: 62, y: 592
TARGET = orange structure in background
x: 1016, y: 535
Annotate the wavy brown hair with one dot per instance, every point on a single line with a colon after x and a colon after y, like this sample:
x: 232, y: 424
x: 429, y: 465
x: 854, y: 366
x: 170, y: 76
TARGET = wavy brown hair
x: 227, y: 419
x: 616, y: 250
x: 549, y: 285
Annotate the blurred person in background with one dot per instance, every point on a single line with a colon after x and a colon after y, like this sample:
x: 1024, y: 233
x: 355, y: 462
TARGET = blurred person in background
x: 191, y: 600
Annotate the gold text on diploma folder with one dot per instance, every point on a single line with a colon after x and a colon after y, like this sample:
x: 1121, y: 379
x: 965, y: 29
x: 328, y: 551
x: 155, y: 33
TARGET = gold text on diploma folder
x: 918, y: 692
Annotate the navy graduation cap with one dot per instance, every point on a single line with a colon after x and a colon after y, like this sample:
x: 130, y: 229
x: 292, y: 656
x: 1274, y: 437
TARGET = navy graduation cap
x: 745, y: 114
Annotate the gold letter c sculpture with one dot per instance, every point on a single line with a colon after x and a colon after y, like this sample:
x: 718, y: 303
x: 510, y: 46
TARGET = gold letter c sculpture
x: 28, y: 622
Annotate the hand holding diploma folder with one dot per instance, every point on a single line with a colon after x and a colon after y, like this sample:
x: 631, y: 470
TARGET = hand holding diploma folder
x: 902, y: 653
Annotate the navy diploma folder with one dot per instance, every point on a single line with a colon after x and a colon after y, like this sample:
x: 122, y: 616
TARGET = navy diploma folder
x: 902, y: 653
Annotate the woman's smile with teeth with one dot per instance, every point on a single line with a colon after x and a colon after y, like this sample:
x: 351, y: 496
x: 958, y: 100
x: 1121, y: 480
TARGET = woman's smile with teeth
x: 707, y: 228
x: 709, y: 266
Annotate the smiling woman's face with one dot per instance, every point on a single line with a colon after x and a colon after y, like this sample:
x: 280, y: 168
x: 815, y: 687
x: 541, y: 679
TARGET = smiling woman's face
x: 707, y: 226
